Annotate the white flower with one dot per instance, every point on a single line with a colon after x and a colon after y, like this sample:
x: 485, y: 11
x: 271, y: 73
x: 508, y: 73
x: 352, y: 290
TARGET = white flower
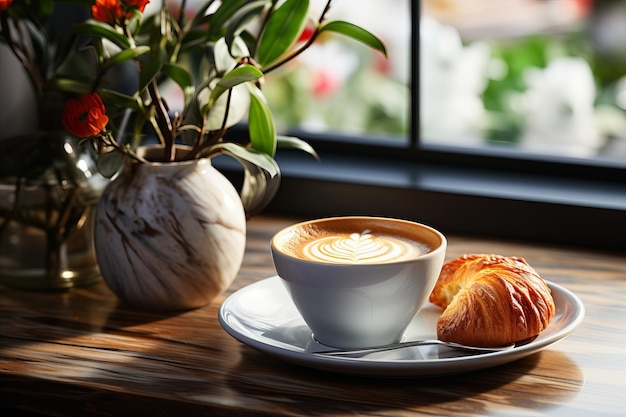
x: 452, y: 79
x: 559, y: 109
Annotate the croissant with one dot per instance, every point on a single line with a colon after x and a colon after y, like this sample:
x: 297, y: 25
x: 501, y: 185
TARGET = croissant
x: 491, y: 300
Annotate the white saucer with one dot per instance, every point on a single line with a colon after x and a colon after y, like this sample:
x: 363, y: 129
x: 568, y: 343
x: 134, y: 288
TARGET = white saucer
x: 263, y: 317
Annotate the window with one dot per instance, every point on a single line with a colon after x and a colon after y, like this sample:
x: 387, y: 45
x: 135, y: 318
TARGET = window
x: 341, y: 87
x: 543, y: 77
x: 478, y: 180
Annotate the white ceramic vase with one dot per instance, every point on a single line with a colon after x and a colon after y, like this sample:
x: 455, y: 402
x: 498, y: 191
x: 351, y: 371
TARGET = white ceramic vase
x: 169, y: 236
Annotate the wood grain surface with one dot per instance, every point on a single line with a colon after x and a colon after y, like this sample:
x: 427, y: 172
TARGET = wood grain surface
x: 83, y: 353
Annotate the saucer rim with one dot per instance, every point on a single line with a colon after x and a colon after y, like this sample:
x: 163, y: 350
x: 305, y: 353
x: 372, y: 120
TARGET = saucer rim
x: 571, y: 314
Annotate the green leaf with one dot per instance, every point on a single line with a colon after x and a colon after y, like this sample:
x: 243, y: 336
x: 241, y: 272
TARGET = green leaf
x: 109, y: 163
x: 261, y: 175
x: 38, y: 38
x: 149, y: 70
x: 261, y: 123
x: 193, y: 39
x: 218, y: 19
x: 355, y: 32
x: 239, y: 75
x: 119, y: 99
x: 251, y: 155
x: 239, y: 20
x: 124, y: 56
x: 66, y: 47
x: 101, y: 30
x: 199, y: 16
x: 160, y: 28
x: 182, y: 77
x: 289, y: 142
x: 283, y: 29
x: 70, y: 85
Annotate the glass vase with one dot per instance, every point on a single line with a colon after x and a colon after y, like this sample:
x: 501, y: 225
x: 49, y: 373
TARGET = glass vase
x: 49, y: 187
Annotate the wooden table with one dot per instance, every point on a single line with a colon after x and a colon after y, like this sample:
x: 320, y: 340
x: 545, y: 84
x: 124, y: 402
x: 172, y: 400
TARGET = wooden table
x: 81, y: 353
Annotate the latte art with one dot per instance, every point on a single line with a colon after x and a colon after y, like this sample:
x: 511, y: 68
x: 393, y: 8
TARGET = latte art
x: 359, y: 248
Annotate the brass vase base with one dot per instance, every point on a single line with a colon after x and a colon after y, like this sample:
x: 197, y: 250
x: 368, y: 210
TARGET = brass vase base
x: 38, y: 279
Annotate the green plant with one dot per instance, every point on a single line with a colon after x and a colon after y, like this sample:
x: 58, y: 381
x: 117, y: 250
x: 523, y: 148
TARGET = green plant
x: 218, y: 56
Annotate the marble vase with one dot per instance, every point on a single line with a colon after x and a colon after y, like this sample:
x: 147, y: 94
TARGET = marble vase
x: 169, y: 236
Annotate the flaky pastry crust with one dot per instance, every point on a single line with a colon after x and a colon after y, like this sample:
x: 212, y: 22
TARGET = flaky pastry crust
x: 491, y: 300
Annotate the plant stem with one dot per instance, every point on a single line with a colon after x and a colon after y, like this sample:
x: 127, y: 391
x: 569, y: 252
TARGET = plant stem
x: 163, y: 121
x: 181, y: 12
x: 16, y: 203
x: 216, y: 135
x: 180, y: 31
x: 23, y: 51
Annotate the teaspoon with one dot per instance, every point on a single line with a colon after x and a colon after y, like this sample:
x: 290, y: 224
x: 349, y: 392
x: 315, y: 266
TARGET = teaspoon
x: 318, y: 348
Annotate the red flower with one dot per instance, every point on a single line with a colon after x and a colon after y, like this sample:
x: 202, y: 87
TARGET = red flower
x: 85, y: 117
x: 112, y: 11
x: 4, y: 4
x: 307, y: 33
x: 325, y: 84
x: 108, y: 11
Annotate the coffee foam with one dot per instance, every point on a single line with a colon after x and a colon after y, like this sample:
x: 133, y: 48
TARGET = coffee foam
x: 356, y: 241
x: 359, y: 248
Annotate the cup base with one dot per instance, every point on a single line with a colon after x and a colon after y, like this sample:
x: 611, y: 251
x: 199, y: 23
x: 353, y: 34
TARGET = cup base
x: 314, y: 345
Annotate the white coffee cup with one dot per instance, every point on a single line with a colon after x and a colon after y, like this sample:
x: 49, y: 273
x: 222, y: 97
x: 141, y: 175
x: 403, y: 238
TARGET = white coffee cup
x: 358, y: 281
